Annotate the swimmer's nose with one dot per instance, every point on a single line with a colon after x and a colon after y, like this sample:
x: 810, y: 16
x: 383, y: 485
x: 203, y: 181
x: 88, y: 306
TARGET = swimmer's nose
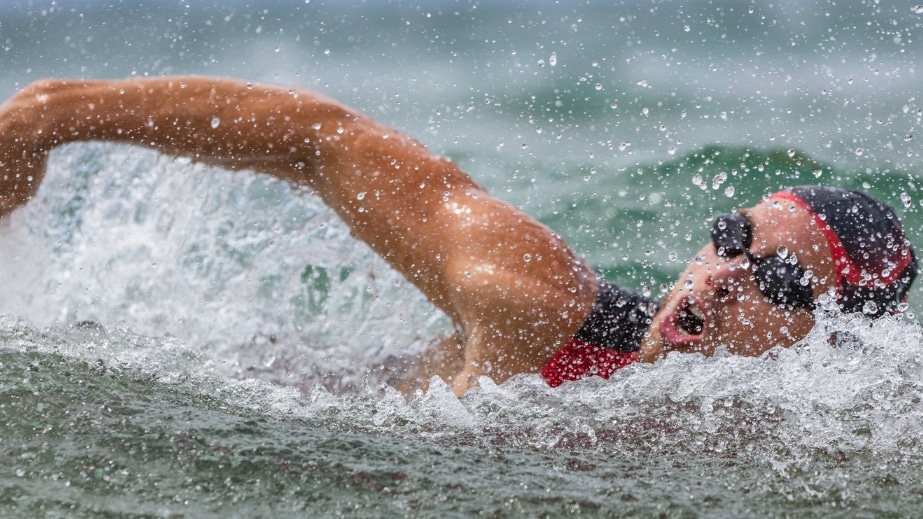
x: 728, y: 276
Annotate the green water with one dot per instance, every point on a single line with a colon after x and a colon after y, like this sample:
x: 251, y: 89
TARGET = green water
x: 87, y: 439
x: 234, y: 367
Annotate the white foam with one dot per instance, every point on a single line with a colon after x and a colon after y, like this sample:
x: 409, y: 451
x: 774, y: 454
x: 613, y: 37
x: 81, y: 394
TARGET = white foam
x: 260, y: 275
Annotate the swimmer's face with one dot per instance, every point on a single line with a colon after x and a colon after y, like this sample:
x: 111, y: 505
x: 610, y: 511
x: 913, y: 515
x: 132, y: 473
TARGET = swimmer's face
x: 717, y: 301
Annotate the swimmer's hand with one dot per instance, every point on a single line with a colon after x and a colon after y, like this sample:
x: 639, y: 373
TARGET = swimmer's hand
x: 24, y: 145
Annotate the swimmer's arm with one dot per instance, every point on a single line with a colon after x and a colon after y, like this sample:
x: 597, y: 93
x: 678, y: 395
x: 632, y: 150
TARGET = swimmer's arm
x: 220, y: 122
x: 513, y: 288
x: 294, y: 134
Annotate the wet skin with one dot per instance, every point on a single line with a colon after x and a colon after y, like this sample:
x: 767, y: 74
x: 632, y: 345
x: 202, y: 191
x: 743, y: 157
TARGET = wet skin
x: 716, y: 301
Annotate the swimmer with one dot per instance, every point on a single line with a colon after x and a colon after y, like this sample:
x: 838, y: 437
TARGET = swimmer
x: 519, y: 299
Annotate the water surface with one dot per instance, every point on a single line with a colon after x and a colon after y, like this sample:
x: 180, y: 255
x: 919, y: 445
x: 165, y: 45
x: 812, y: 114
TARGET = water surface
x: 179, y: 341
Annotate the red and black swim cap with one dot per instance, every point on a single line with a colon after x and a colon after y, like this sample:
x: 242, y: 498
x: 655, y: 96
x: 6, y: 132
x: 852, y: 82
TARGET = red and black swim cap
x: 874, y: 261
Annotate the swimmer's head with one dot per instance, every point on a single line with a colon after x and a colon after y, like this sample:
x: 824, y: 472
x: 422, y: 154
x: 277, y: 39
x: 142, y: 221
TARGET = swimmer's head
x: 874, y: 262
x: 736, y: 294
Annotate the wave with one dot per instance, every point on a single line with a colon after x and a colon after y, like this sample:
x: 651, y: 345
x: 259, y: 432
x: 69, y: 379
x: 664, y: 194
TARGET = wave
x: 861, y: 395
x: 91, y: 412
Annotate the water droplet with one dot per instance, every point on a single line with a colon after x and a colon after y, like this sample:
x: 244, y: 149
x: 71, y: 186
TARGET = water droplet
x: 917, y: 9
x: 599, y: 86
x: 553, y: 59
x: 870, y: 308
x: 859, y: 152
x: 826, y: 302
x: 791, y: 153
x: 613, y: 105
x: 687, y: 28
x: 527, y: 257
x: 908, y: 137
x: 215, y: 122
x: 729, y: 191
x: 360, y: 196
x: 782, y: 251
x: 905, y: 198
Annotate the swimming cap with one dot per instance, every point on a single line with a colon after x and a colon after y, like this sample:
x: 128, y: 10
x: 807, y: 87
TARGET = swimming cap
x: 874, y: 261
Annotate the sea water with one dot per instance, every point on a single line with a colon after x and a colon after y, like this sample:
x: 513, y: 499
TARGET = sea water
x: 182, y: 341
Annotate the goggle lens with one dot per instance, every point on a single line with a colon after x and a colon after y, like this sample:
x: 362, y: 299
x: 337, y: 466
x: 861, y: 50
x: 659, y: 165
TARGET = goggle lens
x: 779, y: 279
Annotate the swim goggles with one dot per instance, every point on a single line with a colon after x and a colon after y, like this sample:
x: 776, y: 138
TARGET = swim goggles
x: 778, y: 277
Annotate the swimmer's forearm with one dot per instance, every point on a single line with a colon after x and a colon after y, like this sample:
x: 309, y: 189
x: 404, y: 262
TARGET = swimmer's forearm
x: 220, y: 122
x: 215, y: 121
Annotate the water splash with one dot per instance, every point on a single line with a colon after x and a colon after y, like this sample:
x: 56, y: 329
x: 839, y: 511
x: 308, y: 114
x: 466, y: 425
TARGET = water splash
x: 193, y: 296
x: 255, y: 272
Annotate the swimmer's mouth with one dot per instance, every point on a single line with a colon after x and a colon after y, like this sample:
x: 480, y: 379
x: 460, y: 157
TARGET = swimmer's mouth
x: 686, y: 325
